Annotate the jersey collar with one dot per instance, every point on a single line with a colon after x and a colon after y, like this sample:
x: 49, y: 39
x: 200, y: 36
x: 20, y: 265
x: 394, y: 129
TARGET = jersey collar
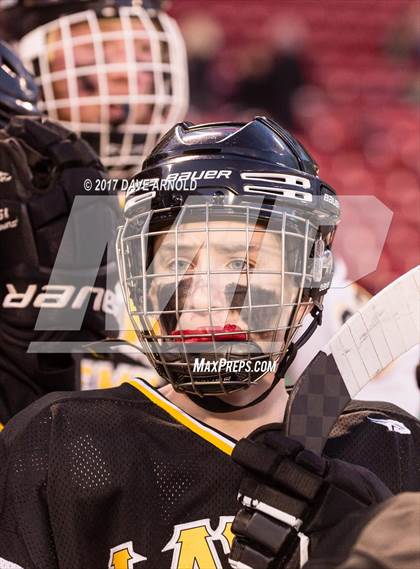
x: 221, y: 441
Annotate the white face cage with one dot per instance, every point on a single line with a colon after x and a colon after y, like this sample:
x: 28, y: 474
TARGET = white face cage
x: 217, y: 295
x: 119, y: 79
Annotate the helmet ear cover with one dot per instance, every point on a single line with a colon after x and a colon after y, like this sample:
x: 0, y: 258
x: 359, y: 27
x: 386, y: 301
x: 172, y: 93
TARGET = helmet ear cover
x: 322, y: 266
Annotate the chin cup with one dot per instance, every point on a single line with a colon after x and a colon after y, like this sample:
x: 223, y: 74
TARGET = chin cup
x: 219, y: 368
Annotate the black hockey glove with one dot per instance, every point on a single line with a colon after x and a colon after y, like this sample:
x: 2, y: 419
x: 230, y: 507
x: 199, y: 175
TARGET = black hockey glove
x: 292, y: 498
x: 43, y: 171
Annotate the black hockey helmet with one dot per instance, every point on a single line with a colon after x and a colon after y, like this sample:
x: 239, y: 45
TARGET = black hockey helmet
x: 227, y: 182
x: 18, y: 92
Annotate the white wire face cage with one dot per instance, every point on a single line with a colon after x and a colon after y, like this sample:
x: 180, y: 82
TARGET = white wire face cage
x: 217, y: 296
x: 119, y: 81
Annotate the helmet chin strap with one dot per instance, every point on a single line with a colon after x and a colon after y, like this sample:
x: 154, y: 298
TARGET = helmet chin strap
x: 216, y: 405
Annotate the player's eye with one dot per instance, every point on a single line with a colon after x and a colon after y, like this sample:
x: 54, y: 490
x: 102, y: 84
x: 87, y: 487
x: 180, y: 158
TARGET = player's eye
x: 143, y: 52
x: 179, y: 265
x: 87, y: 84
x: 239, y: 265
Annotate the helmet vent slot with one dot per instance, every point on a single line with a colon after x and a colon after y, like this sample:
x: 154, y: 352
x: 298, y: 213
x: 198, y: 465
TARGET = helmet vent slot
x: 272, y: 191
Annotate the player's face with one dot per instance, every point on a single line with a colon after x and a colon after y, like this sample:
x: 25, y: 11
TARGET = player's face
x: 228, y: 280
x: 92, y: 74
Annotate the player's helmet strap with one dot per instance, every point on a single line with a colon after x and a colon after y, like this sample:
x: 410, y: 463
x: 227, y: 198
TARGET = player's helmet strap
x: 216, y: 405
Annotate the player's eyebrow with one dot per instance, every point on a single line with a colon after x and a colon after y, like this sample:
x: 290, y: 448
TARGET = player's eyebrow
x: 169, y: 248
x: 226, y: 248
x: 230, y: 248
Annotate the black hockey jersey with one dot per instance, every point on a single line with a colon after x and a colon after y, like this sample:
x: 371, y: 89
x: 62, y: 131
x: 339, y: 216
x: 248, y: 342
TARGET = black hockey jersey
x: 123, y: 479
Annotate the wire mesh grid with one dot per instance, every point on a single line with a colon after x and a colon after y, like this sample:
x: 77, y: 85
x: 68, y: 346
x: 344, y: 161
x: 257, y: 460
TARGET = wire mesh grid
x: 173, y: 331
x: 91, y: 68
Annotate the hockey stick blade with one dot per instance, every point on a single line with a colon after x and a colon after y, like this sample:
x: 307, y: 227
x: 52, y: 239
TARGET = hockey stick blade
x: 380, y: 332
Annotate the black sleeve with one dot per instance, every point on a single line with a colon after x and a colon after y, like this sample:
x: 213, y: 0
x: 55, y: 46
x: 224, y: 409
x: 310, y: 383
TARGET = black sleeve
x: 25, y: 533
x: 46, y: 167
x: 23, y: 380
x: 381, y: 437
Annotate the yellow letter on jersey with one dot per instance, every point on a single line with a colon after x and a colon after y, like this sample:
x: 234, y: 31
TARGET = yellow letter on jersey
x: 193, y: 547
x: 123, y: 557
x: 224, y: 533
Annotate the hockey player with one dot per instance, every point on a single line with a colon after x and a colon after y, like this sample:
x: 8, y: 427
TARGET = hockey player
x: 226, y: 246
x: 43, y: 167
x: 42, y: 170
x: 114, y: 71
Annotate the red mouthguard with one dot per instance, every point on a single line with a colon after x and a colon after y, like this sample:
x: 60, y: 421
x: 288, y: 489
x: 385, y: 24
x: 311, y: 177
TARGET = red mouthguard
x: 222, y: 334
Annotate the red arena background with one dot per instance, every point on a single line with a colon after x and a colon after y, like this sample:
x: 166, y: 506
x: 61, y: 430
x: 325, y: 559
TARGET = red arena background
x: 342, y: 75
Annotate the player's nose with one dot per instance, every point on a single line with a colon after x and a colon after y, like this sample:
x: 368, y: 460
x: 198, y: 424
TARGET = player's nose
x: 195, y: 312
x: 205, y: 292
x: 118, y: 83
x: 145, y: 82
x: 197, y: 295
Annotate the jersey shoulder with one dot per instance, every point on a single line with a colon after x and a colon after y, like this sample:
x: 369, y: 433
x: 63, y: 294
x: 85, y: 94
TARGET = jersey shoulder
x: 381, y: 406
x: 381, y: 437
x: 42, y: 411
x: 382, y: 413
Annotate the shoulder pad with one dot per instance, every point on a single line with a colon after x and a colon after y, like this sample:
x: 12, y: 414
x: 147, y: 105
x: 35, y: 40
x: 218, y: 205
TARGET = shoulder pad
x: 53, y: 141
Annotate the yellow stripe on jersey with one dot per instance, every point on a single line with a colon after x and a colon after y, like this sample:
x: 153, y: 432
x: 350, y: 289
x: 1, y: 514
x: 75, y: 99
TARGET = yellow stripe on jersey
x: 1, y: 427
x: 204, y: 431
